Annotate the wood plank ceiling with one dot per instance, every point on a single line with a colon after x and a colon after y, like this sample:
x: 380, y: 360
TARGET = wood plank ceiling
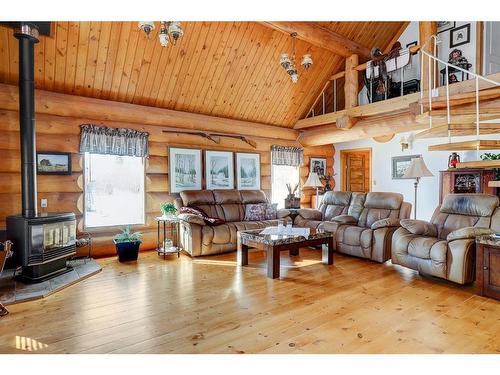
x: 225, y: 69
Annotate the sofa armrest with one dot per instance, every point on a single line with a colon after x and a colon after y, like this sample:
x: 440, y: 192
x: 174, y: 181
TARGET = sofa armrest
x: 282, y: 213
x: 468, y: 233
x: 310, y: 214
x: 345, y: 219
x: 385, y: 223
x: 419, y: 227
x: 192, y: 219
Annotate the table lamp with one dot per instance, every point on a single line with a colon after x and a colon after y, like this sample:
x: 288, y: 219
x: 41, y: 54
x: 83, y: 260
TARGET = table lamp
x: 314, y: 181
x: 416, y: 170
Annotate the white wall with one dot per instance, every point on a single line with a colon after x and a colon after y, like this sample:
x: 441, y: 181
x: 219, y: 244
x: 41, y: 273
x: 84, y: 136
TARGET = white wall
x: 382, y: 153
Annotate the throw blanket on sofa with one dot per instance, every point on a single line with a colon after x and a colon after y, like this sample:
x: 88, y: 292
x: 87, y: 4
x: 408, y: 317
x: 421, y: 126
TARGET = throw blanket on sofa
x: 199, y: 212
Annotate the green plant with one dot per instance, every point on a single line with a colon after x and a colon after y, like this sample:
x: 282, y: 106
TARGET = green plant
x: 490, y: 156
x: 168, y: 208
x: 127, y: 236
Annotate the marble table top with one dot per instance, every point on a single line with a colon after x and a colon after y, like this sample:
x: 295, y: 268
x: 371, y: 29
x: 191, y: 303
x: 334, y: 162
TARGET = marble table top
x: 488, y: 240
x: 273, y: 240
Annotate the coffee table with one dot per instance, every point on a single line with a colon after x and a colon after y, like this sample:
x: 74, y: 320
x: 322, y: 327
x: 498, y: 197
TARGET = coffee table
x: 274, y: 244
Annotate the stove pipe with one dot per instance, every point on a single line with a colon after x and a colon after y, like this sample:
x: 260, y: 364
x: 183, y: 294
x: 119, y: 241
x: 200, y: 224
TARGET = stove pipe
x: 27, y: 34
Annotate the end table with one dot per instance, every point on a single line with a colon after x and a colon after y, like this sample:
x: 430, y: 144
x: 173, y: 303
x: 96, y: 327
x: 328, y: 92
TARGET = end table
x: 169, y: 232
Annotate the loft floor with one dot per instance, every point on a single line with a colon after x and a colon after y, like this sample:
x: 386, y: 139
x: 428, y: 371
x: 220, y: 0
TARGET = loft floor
x: 210, y: 305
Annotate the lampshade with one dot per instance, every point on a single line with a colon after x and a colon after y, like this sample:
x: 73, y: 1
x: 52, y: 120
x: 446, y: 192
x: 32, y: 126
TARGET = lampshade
x: 417, y: 169
x: 313, y: 180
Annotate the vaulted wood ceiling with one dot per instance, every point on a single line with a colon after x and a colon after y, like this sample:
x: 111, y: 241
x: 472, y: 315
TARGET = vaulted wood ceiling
x: 226, y: 69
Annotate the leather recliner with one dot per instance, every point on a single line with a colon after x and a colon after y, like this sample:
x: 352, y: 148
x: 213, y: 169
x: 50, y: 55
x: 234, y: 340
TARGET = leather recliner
x: 199, y: 238
x: 363, y: 223
x: 445, y: 246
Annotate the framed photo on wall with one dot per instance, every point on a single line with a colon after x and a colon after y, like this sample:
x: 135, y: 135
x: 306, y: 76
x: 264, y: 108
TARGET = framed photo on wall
x: 56, y: 163
x: 318, y: 165
x: 219, y: 170
x: 247, y: 171
x: 443, y: 26
x: 400, y: 164
x: 459, y: 36
x: 184, y: 169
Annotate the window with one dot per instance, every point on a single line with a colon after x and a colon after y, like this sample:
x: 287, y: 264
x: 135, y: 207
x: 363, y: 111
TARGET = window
x: 282, y: 175
x: 114, y: 190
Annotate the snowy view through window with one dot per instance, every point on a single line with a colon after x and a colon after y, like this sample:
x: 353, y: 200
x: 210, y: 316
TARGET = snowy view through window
x: 282, y: 175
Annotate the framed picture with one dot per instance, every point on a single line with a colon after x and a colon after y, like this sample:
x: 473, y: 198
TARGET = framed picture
x: 247, y: 171
x: 459, y: 36
x: 185, y: 169
x: 318, y: 165
x: 219, y: 170
x: 53, y: 163
x: 414, y: 43
x: 400, y: 164
x: 443, y: 26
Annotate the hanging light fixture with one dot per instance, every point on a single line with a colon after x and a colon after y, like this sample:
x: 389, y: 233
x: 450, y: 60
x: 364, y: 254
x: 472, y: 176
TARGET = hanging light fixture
x: 170, y: 31
x: 289, y: 64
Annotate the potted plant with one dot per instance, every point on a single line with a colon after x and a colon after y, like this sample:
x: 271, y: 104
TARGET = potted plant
x: 127, y: 244
x: 168, y: 209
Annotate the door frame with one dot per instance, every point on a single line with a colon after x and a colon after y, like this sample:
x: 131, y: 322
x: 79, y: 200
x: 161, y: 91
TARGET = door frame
x: 343, y: 166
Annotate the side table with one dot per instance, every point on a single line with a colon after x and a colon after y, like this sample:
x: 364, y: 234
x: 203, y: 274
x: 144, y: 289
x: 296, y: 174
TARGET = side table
x: 169, y: 233
x: 488, y: 266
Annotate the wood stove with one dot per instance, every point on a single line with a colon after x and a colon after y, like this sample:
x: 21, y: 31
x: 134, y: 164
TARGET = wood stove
x: 41, y: 242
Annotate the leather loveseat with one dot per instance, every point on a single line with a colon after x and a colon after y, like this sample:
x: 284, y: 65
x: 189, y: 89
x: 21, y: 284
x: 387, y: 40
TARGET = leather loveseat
x: 363, y: 223
x: 198, y: 238
x: 445, y: 246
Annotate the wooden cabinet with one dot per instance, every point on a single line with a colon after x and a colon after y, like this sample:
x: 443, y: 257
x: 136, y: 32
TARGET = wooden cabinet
x: 488, y: 270
x: 466, y: 180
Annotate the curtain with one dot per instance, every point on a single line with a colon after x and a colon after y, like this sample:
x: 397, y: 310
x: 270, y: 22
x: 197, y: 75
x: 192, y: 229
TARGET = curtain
x: 292, y: 156
x: 112, y: 141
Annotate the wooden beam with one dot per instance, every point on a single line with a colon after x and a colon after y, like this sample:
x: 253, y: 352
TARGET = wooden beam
x: 467, y: 146
x: 319, y: 36
x: 426, y: 29
x: 463, y: 98
x: 351, y: 82
x: 346, y: 122
x: 457, y: 130
x: 106, y: 110
x: 479, y: 164
x: 364, y: 129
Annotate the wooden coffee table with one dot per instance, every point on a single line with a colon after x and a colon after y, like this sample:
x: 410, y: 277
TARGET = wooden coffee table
x: 274, y: 244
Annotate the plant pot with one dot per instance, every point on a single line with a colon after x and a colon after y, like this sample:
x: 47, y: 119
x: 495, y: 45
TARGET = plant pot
x: 127, y: 251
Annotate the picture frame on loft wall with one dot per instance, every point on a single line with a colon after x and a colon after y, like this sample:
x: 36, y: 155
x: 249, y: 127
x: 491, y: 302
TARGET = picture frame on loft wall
x: 443, y: 26
x: 247, y: 171
x: 460, y: 36
x: 219, y: 170
x: 185, y: 169
x: 53, y: 163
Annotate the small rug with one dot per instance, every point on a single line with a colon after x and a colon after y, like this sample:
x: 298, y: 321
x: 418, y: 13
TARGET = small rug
x: 15, y: 291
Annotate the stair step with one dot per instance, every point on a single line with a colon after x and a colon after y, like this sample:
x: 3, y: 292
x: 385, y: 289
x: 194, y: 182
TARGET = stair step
x: 479, y: 164
x: 461, y: 99
x: 457, y: 130
x: 467, y: 146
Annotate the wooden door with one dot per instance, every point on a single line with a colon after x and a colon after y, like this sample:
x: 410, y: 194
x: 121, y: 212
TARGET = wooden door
x: 356, y: 168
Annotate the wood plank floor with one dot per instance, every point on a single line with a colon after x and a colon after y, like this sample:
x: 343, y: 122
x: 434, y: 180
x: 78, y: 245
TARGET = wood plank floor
x: 210, y: 305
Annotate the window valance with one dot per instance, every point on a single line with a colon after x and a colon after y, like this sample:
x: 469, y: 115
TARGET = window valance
x: 282, y: 155
x: 113, y: 141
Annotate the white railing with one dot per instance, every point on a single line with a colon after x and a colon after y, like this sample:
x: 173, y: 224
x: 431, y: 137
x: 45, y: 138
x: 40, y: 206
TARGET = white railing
x: 433, y: 66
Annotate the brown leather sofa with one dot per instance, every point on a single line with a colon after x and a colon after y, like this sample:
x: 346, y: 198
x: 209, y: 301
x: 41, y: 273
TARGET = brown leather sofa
x: 198, y: 238
x: 445, y: 246
x: 363, y: 223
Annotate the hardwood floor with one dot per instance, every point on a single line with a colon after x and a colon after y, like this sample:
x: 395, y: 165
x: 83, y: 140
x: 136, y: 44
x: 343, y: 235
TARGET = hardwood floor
x: 210, y: 305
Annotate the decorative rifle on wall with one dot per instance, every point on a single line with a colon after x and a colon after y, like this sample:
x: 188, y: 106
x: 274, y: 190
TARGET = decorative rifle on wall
x: 214, y: 137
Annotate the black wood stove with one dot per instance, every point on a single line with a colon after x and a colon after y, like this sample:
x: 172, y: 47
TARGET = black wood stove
x: 41, y: 242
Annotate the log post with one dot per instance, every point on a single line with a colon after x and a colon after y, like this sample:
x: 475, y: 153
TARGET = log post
x: 351, y: 82
x: 426, y: 29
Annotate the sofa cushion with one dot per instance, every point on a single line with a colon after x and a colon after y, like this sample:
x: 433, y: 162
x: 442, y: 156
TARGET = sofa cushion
x: 255, y: 212
x: 388, y: 201
x: 310, y: 214
x: 253, y: 196
x: 428, y: 248
x: 385, y: 223
x: 419, y: 227
x: 345, y: 219
x: 227, y: 196
x: 197, y: 197
x: 470, y: 204
x: 468, y: 233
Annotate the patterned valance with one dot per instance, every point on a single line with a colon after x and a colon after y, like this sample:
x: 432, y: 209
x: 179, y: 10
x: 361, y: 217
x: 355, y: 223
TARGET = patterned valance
x: 112, y: 141
x: 293, y: 156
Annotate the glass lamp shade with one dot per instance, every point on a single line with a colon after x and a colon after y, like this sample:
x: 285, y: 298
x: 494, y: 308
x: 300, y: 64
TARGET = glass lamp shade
x: 175, y: 31
x: 285, y: 61
x: 147, y: 27
x: 306, y: 61
x: 417, y: 169
x: 313, y: 180
x: 164, y: 39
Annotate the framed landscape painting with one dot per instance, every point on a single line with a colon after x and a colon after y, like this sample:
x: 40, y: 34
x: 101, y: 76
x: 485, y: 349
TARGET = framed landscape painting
x: 53, y: 163
x: 400, y: 164
x: 318, y: 165
x: 247, y: 171
x: 219, y: 170
x: 185, y: 169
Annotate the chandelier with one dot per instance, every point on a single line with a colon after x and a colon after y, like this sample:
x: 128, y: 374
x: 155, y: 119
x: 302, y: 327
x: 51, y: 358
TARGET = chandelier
x: 289, y: 64
x: 169, y: 31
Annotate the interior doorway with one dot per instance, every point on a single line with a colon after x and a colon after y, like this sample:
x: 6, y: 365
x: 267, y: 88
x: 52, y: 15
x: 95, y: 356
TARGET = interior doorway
x: 356, y: 167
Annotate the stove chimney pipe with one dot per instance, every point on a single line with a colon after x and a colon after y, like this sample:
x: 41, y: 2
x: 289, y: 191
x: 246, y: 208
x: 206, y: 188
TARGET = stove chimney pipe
x: 27, y: 34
